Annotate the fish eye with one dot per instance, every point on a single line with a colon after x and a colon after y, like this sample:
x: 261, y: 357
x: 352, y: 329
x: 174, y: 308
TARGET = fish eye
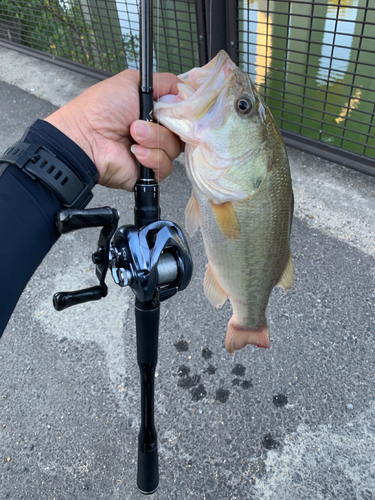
x: 244, y: 105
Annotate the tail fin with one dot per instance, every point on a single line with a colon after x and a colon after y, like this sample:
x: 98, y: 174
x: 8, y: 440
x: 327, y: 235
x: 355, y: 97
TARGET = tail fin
x: 238, y: 337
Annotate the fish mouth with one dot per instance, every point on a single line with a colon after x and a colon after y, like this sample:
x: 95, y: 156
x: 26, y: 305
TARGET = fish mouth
x: 199, y: 90
x: 212, y: 77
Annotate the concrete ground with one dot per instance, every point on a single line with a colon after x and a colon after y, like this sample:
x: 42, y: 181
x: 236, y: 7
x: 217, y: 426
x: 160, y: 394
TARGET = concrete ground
x: 294, y: 422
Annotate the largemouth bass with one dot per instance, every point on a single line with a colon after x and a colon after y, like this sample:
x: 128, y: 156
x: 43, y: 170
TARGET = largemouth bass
x: 242, y: 196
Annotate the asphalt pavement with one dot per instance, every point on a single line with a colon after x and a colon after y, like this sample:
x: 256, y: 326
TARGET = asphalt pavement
x: 293, y: 422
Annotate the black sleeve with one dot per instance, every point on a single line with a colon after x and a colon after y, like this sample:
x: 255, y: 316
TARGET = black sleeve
x: 27, y: 213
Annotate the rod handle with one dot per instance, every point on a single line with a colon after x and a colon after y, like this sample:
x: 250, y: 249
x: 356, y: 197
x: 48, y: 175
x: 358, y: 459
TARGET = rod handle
x: 148, y: 472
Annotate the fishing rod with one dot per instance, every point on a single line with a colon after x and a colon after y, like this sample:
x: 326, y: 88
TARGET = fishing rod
x: 151, y: 257
x: 147, y: 313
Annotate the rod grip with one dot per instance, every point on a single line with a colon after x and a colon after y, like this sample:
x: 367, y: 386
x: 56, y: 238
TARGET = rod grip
x: 147, y: 315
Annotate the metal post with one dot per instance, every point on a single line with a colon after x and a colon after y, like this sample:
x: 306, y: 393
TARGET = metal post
x: 217, y: 28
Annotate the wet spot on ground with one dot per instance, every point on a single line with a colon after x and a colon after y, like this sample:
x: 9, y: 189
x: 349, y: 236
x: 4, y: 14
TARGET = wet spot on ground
x: 206, y: 353
x: 182, y: 346
x: 222, y: 395
x: 198, y: 390
x: 280, y: 400
x: 198, y: 393
x: 189, y: 382
x: 239, y: 370
x: 183, y: 371
x: 246, y: 384
x: 269, y: 443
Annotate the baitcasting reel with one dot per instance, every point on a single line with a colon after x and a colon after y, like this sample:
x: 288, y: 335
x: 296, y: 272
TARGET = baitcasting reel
x: 152, y: 260
x: 155, y: 262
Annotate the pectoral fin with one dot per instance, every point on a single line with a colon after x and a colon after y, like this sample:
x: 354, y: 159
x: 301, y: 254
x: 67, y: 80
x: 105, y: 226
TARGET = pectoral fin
x: 192, y: 216
x: 213, y: 291
x: 287, y: 278
x: 226, y: 219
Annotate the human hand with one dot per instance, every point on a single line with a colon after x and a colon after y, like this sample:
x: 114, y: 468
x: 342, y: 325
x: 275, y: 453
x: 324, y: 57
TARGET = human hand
x: 103, y: 121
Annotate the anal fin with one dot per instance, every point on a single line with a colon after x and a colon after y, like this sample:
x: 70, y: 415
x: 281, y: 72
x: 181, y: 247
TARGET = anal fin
x: 226, y: 219
x: 213, y: 291
x: 286, y: 280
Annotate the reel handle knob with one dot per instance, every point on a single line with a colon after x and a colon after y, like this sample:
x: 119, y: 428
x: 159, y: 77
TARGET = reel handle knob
x: 63, y: 300
x: 71, y: 218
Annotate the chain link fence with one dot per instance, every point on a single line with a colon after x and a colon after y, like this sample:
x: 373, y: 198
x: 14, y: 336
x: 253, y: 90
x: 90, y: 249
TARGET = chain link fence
x: 313, y: 61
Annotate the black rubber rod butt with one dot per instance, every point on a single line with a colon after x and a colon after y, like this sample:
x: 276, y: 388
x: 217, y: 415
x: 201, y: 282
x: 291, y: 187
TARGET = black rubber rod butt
x: 147, y: 326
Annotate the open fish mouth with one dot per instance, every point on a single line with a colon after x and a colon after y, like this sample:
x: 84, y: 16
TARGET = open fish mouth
x: 199, y: 90
x: 216, y: 74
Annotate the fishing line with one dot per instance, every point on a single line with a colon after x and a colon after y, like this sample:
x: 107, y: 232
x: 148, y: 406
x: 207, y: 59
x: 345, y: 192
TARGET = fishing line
x: 157, y: 51
x: 157, y: 54
x: 210, y: 32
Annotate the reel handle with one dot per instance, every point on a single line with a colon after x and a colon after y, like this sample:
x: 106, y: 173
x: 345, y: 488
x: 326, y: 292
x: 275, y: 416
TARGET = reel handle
x: 71, y: 219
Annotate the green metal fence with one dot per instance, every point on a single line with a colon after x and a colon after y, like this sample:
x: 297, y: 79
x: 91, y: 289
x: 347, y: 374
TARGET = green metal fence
x: 102, y: 34
x: 313, y: 61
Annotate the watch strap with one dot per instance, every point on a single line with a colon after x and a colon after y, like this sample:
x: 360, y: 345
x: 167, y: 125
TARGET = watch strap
x: 38, y: 162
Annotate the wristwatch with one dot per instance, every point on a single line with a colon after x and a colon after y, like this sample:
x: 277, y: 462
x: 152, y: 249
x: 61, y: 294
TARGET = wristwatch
x: 39, y: 163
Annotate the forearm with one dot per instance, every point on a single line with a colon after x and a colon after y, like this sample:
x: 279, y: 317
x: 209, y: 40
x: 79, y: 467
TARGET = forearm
x: 27, y: 213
